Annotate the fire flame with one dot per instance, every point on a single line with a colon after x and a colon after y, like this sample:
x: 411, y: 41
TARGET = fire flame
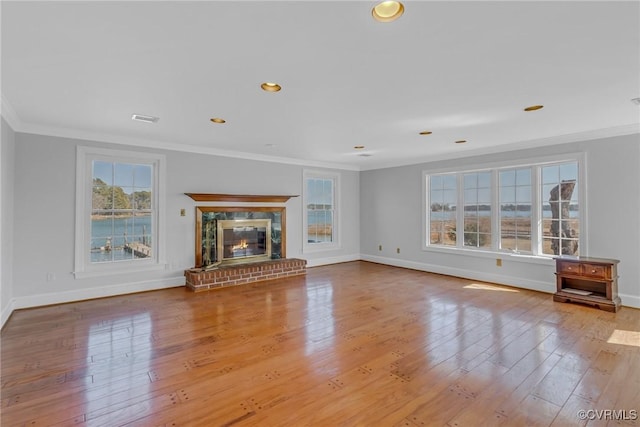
x: 242, y: 245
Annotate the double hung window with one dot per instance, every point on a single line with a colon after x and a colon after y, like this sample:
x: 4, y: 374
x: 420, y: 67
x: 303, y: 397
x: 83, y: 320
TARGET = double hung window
x: 320, y: 221
x: 477, y: 209
x: 515, y: 209
x: 118, y: 225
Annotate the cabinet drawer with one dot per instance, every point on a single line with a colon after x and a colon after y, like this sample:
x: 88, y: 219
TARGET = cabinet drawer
x: 597, y: 278
x: 569, y: 267
x: 594, y: 270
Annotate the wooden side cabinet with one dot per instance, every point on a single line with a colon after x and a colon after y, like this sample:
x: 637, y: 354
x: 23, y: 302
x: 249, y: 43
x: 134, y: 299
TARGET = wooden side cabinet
x: 586, y: 280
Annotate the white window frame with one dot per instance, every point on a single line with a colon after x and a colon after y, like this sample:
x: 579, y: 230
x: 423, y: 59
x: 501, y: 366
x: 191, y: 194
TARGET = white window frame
x: 461, y: 212
x: 83, y: 267
x: 321, y: 246
x: 536, y: 218
x: 535, y: 213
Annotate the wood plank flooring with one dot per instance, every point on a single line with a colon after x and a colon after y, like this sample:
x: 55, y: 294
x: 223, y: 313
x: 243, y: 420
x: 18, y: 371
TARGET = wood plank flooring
x: 354, y: 344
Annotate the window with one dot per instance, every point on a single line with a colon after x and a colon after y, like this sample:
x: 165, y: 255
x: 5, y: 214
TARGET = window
x: 477, y: 209
x: 443, y: 196
x: 515, y: 210
x: 560, y: 218
x: 118, y: 224
x: 532, y: 209
x: 320, y: 220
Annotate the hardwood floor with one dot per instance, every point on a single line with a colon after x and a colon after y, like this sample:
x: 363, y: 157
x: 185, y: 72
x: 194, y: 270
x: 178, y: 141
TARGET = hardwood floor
x: 354, y: 344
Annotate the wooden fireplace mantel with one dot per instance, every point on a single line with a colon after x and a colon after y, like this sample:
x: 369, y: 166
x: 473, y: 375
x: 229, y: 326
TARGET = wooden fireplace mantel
x: 207, y: 197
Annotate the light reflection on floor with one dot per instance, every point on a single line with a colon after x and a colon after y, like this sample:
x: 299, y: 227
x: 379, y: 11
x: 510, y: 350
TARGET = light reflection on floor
x: 620, y: 336
x: 125, y: 346
x: 320, y: 327
x: 488, y: 287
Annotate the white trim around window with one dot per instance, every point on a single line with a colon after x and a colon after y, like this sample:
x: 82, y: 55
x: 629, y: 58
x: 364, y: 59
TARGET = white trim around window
x: 319, y: 246
x: 495, y: 168
x: 83, y: 267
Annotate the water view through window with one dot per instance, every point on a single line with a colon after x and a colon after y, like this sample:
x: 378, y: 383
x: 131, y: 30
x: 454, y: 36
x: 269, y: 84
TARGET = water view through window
x: 320, y: 210
x: 556, y: 208
x: 121, y: 211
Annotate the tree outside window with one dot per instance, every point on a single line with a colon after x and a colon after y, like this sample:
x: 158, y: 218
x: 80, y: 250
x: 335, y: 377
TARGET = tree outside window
x: 560, y: 210
x: 119, y: 226
x: 121, y: 211
x: 531, y: 209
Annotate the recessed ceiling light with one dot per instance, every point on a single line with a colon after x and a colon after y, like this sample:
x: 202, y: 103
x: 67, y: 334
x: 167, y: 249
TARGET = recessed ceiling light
x: 218, y: 120
x: 461, y: 141
x: 359, y: 147
x: 387, y: 11
x: 534, y: 107
x: 426, y: 132
x: 270, y: 87
x: 146, y: 119
x: 636, y: 101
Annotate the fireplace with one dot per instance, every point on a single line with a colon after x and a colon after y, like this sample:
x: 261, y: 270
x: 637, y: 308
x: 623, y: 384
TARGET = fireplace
x: 237, y: 245
x: 243, y: 240
x: 234, y: 235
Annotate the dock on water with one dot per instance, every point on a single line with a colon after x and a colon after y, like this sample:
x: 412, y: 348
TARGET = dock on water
x: 138, y: 249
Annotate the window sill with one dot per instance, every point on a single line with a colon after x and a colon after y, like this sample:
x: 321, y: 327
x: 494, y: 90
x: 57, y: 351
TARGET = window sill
x: 118, y: 270
x: 515, y: 257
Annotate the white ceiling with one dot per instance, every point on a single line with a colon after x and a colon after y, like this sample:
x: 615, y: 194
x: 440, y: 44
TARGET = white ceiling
x: 463, y: 70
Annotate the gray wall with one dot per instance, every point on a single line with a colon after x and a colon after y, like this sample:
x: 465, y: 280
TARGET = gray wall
x: 45, y: 216
x: 7, y: 152
x: 38, y: 204
x: 613, y: 212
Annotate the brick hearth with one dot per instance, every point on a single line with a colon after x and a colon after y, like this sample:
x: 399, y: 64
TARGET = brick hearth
x: 230, y: 275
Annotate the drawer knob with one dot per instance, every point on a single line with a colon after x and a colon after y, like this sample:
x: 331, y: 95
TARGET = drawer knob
x: 570, y: 268
x: 593, y: 271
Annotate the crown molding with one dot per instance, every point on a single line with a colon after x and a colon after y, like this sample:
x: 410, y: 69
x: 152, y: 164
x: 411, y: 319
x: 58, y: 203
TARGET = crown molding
x: 163, y: 145
x: 630, y: 129
x: 12, y: 118
x: 9, y: 114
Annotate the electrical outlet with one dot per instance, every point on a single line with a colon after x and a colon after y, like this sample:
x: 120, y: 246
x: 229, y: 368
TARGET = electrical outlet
x: 398, y: 250
x: 498, y: 262
x: 183, y: 212
x: 379, y: 247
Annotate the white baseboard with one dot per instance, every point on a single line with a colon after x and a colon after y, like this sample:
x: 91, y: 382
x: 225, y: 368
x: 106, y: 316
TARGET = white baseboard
x: 519, y: 282
x: 515, y: 281
x: 6, y: 312
x: 630, y: 300
x: 91, y: 293
x: 149, y: 285
x: 333, y: 260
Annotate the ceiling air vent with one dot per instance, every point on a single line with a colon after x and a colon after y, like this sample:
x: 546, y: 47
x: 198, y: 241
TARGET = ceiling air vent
x: 147, y: 119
